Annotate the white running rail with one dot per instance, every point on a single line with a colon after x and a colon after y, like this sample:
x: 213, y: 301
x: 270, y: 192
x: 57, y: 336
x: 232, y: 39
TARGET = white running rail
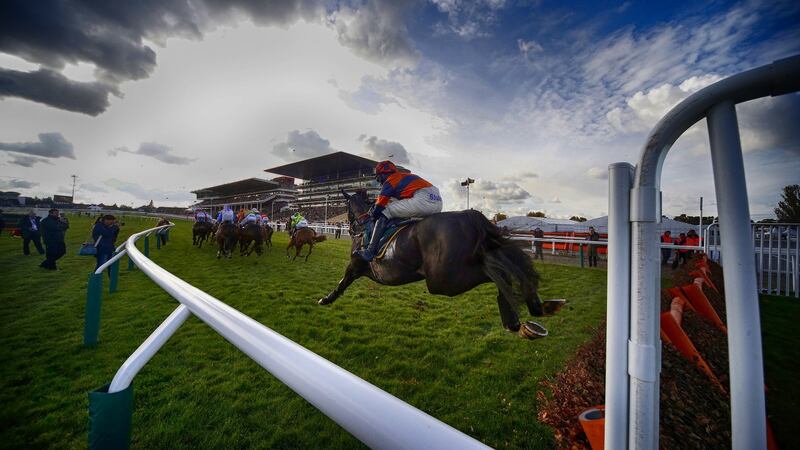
x: 373, y: 416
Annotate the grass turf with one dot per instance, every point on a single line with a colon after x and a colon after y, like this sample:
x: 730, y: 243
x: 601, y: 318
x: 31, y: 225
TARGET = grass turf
x: 447, y: 356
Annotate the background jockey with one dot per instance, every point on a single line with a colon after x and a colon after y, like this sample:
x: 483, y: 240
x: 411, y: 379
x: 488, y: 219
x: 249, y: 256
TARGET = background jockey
x: 251, y: 216
x: 201, y: 216
x: 298, y: 221
x: 414, y: 197
x: 226, y: 215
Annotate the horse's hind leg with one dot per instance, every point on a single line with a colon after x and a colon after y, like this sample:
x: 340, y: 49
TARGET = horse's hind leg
x: 310, y: 247
x: 507, y: 314
x: 353, y: 272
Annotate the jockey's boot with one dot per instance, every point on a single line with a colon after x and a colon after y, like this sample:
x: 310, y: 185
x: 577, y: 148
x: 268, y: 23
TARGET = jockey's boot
x: 367, y: 254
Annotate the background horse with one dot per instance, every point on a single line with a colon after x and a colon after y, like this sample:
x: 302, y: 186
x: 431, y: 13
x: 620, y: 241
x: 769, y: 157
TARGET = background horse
x: 302, y: 237
x: 453, y: 252
x: 226, y: 239
x: 251, y: 233
x: 200, y: 232
x: 267, y: 231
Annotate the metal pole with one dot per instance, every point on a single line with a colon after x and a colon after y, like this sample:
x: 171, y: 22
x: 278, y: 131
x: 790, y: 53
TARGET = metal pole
x: 748, y: 424
x: 467, y: 195
x: 701, y: 216
x: 620, y: 176
x: 778, y: 262
x: 769, y: 263
x: 761, y: 258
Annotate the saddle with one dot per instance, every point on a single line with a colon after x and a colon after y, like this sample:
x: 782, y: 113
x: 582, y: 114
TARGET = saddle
x: 393, y: 228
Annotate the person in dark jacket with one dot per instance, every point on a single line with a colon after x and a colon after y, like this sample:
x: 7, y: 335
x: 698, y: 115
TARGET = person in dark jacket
x: 54, y: 227
x: 538, y: 245
x: 593, y: 236
x: 106, y: 231
x: 29, y: 228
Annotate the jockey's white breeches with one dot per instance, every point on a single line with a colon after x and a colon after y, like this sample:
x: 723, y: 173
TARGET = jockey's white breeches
x: 425, y: 202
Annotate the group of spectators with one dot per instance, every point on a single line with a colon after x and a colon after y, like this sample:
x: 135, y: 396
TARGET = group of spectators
x: 51, y: 231
x: 681, y: 256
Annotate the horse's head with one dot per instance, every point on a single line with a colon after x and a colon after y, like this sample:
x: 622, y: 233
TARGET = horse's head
x: 358, y: 205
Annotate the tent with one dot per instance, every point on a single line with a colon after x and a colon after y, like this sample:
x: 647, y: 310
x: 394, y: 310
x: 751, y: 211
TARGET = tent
x: 527, y: 224
x: 600, y: 224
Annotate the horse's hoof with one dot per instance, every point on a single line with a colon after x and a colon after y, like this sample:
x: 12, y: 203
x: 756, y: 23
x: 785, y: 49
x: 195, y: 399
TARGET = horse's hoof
x: 324, y: 301
x: 532, y: 330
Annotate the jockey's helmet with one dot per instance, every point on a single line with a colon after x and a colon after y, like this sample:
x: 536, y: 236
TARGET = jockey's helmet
x: 385, y: 168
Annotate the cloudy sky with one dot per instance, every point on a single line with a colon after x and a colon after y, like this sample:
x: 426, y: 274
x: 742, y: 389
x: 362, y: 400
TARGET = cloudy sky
x: 150, y: 100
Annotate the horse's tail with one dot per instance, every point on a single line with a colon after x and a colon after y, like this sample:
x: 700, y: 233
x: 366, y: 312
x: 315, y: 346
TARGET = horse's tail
x: 319, y: 238
x: 507, y: 265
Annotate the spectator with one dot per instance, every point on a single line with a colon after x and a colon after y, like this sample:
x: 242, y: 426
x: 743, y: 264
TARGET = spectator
x: 692, y: 239
x: 106, y: 232
x: 538, y: 245
x: 54, y: 227
x: 681, y: 254
x: 593, y: 236
x: 29, y: 227
x: 666, y: 238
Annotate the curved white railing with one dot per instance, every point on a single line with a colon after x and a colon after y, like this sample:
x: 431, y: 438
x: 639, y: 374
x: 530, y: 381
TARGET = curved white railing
x: 633, y: 343
x: 373, y: 416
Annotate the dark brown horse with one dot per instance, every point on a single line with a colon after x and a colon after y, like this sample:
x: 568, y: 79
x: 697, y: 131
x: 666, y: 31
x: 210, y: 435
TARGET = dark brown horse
x: 200, y: 232
x: 252, y: 233
x: 453, y: 252
x: 267, y: 234
x: 302, y: 237
x: 227, y: 236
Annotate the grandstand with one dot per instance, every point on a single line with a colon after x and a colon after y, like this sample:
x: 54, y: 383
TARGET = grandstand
x: 267, y: 195
x: 319, y: 196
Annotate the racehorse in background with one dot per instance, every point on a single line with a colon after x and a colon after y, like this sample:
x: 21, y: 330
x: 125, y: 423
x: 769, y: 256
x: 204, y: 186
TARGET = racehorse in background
x: 200, y: 232
x: 453, y: 252
x: 302, y: 237
x: 252, y: 233
x: 267, y: 232
x: 227, y: 236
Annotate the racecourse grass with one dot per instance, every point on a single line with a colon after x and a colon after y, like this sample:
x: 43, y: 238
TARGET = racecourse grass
x: 447, y: 356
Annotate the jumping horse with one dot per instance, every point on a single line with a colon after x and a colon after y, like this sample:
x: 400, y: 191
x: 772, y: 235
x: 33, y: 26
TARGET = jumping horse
x: 453, y: 252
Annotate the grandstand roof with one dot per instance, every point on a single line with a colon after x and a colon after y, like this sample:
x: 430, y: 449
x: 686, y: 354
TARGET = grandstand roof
x: 332, y: 165
x: 238, y: 187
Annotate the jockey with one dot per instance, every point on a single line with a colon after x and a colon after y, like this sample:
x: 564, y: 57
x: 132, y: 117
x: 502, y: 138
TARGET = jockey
x: 414, y: 197
x: 251, y: 216
x: 201, y: 216
x: 226, y: 215
x: 298, y: 221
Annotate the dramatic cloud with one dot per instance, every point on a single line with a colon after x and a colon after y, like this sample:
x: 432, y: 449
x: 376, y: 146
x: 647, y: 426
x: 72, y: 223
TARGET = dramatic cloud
x: 381, y: 149
x: 27, y: 161
x: 376, y: 30
x: 111, y: 37
x: 147, y: 194
x: 468, y: 19
x: 50, y: 145
x: 54, y: 89
x: 17, y: 184
x: 485, y: 195
x: 155, y: 150
x: 302, y: 145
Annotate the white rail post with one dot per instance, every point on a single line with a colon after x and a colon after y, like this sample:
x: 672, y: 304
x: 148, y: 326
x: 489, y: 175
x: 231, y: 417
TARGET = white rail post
x: 748, y: 413
x: 620, y: 177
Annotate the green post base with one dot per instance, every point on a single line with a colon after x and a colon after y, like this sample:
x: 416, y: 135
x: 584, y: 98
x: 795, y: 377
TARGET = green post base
x: 113, y: 271
x: 147, y: 246
x: 94, y: 298
x: 131, y: 265
x: 581, y: 253
x: 110, y: 417
x: 158, y: 242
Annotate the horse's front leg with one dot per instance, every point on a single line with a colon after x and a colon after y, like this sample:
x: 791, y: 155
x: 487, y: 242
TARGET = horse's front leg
x: 353, y: 272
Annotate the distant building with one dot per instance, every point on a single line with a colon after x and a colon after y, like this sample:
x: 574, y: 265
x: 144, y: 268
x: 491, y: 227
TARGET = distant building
x: 265, y: 195
x: 62, y: 201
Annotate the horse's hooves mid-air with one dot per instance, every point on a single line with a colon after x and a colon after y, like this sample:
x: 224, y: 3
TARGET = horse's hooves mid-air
x: 324, y: 301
